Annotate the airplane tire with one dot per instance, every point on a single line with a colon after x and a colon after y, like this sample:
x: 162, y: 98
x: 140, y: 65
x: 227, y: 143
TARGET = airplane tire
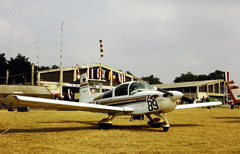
x: 105, y: 126
x: 155, y: 124
x: 105, y: 123
x: 10, y: 109
x: 23, y: 109
x: 165, y: 129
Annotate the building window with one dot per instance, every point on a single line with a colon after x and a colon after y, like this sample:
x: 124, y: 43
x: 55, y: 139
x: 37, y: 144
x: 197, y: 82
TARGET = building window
x: 67, y: 76
x: 187, y: 90
x: 203, y: 89
x: 216, y: 88
x: 190, y: 90
x: 210, y: 88
x: 50, y: 76
x: 222, y: 87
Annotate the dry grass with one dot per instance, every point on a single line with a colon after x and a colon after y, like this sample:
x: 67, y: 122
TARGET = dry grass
x: 191, y: 131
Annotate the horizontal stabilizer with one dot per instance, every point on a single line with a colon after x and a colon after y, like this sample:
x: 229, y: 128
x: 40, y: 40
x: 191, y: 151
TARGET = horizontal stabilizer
x: 187, y: 106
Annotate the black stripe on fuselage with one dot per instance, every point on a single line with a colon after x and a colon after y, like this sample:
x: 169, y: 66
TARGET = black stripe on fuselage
x: 126, y: 103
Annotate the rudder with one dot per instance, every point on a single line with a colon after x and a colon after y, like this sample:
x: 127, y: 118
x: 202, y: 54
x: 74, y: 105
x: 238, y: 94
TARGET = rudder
x: 84, y: 90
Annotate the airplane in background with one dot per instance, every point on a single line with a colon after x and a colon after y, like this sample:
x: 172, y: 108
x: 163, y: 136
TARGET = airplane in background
x: 234, y: 91
x: 129, y: 98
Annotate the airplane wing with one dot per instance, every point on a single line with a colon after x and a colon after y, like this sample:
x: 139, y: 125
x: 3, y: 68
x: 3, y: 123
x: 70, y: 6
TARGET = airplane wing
x: 15, y: 101
x: 197, y: 105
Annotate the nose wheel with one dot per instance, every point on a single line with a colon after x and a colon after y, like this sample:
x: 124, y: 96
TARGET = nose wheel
x: 165, y: 127
x: 158, y: 122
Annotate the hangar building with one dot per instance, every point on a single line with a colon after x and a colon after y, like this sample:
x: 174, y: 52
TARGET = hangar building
x: 67, y: 79
x: 213, y: 89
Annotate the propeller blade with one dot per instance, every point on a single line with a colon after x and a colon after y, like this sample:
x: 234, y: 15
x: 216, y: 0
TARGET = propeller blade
x: 165, y: 92
x: 187, y: 99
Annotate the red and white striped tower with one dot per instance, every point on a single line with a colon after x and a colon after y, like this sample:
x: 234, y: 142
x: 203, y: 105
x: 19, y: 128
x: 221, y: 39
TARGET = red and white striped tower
x: 101, y: 49
x: 101, y: 55
x: 100, y: 69
x: 37, y: 67
x: 78, y: 74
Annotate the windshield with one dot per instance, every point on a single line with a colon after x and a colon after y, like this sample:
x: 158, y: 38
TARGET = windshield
x: 138, y: 87
x: 107, y: 94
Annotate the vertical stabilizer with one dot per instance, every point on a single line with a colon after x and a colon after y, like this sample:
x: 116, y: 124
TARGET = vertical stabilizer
x: 84, y: 91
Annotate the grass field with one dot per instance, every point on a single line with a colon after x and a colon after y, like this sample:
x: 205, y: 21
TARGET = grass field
x: 192, y: 131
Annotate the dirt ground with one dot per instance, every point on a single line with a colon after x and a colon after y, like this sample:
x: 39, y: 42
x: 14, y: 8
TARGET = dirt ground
x: 192, y: 131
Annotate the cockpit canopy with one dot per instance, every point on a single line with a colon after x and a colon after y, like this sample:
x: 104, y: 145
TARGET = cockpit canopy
x: 138, y: 87
x: 130, y: 88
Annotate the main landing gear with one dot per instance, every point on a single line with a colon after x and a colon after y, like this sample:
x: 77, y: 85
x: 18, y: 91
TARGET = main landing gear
x: 106, y: 123
x: 158, y: 122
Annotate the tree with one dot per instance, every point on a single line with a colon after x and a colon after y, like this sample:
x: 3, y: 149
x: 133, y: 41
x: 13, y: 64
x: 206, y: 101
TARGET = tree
x: 54, y: 67
x: 186, y: 77
x: 19, y: 65
x: 3, y: 65
x: 151, y: 79
x: 191, y: 77
x: 129, y: 72
x: 41, y: 68
x: 217, y: 75
x: 203, y: 77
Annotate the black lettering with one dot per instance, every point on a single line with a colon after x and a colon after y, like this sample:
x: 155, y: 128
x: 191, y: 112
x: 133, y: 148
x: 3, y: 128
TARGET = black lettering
x: 152, y: 105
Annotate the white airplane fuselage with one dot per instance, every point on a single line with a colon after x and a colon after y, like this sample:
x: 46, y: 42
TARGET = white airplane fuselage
x: 143, y: 101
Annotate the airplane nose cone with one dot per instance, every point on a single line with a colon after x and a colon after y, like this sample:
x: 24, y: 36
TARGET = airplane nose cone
x: 176, y: 95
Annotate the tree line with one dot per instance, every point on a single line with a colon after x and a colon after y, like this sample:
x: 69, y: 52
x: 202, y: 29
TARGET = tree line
x: 188, y: 77
x: 191, y: 77
x: 20, y: 64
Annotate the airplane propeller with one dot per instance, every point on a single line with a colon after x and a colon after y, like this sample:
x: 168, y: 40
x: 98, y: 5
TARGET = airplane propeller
x: 187, y: 99
x: 165, y: 92
x: 174, y: 94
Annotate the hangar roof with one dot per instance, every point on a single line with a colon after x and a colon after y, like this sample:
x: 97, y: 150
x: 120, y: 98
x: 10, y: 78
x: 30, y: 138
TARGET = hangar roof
x: 37, y: 91
x: 187, y: 84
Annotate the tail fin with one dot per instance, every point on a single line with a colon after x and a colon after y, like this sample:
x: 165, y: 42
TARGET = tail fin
x: 84, y: 91
x: 234, y: 90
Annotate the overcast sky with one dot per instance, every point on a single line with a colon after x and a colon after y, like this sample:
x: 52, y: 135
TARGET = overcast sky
x: 164, y: 38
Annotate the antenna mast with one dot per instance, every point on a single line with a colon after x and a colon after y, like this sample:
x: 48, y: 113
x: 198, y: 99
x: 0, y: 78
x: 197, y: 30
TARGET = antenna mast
x: 61, y: 72
x: 61, y: 45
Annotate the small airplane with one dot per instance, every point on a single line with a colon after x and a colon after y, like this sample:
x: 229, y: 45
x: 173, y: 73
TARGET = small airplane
x: 129, y: 98
x: 234, y: 91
